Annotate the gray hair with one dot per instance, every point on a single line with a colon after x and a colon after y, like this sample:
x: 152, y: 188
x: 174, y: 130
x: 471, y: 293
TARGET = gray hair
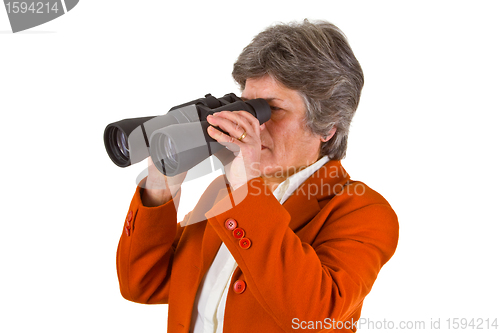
x: 316, y: 60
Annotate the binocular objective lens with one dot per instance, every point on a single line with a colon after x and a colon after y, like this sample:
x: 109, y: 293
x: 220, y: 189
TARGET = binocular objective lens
x: 170, y: 157
x: 171, y: 151
x: 165, y: 155
x: 121, y: 140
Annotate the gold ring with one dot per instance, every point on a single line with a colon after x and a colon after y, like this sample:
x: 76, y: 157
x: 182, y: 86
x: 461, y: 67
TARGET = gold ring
x: 242, y: 136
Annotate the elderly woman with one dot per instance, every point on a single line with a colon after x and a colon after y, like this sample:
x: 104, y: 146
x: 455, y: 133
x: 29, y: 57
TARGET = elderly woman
x: 286, y: 240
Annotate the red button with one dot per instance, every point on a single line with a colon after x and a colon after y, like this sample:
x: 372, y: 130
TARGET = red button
x: 127, y: 231
x: 231, y: 224
x: 239, y: 286
x: 127, y: 224
x: 238, y: 233
x: 245, y: 243
x: 129, y: 216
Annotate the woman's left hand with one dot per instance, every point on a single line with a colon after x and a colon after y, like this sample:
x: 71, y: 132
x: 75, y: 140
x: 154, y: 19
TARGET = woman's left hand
x: 243, y: 142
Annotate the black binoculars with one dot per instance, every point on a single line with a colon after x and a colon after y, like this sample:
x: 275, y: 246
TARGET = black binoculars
x: 178, y: 140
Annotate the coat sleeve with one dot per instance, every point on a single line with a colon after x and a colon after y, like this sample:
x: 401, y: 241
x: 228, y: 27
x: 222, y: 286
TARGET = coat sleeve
x: 326, y: 278
x: 146, y: 249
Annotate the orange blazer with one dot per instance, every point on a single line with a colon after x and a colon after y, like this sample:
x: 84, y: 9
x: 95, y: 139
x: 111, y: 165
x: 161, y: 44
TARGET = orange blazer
x: 305, y: 265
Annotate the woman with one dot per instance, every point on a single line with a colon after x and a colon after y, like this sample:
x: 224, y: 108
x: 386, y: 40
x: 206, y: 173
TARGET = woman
x: 291, y: 242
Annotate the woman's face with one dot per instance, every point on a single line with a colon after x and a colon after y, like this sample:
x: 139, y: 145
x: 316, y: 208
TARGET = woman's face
x: 287, y: 144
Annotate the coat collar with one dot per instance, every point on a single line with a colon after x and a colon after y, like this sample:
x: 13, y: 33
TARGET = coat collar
x: 324, y: 184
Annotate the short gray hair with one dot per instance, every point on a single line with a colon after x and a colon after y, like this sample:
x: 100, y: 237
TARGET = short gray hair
x: 316, y: 60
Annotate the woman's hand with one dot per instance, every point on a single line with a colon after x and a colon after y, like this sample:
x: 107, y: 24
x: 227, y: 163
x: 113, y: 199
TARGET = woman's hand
x: 243, y: 142
x: 159, y: 188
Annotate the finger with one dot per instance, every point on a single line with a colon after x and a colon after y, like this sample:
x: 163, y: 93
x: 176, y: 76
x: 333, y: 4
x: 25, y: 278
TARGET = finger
x: 231, y: 126
x: 250, y: 120
x: 228, y: 141
x: 231, y: 144
x: 245, y: 119
x: 237, y: 117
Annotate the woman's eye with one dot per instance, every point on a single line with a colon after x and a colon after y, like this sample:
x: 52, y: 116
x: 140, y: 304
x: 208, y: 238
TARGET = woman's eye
x: 275, y: 108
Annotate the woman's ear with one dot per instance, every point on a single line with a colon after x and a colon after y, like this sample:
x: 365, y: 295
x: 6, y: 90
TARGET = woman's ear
x: 329, y: 135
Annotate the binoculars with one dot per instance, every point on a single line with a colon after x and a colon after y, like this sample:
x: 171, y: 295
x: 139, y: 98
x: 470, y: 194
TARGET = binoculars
x: 178, y: 140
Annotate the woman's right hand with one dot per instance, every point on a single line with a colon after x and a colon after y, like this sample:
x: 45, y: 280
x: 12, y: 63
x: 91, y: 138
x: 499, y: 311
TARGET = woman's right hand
x: 159, y: 188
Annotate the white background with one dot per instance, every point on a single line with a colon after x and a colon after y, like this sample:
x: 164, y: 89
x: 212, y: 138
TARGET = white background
x: 425, y: 137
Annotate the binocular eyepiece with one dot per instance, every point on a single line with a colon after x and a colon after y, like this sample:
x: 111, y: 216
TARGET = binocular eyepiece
x: 178, y: 140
